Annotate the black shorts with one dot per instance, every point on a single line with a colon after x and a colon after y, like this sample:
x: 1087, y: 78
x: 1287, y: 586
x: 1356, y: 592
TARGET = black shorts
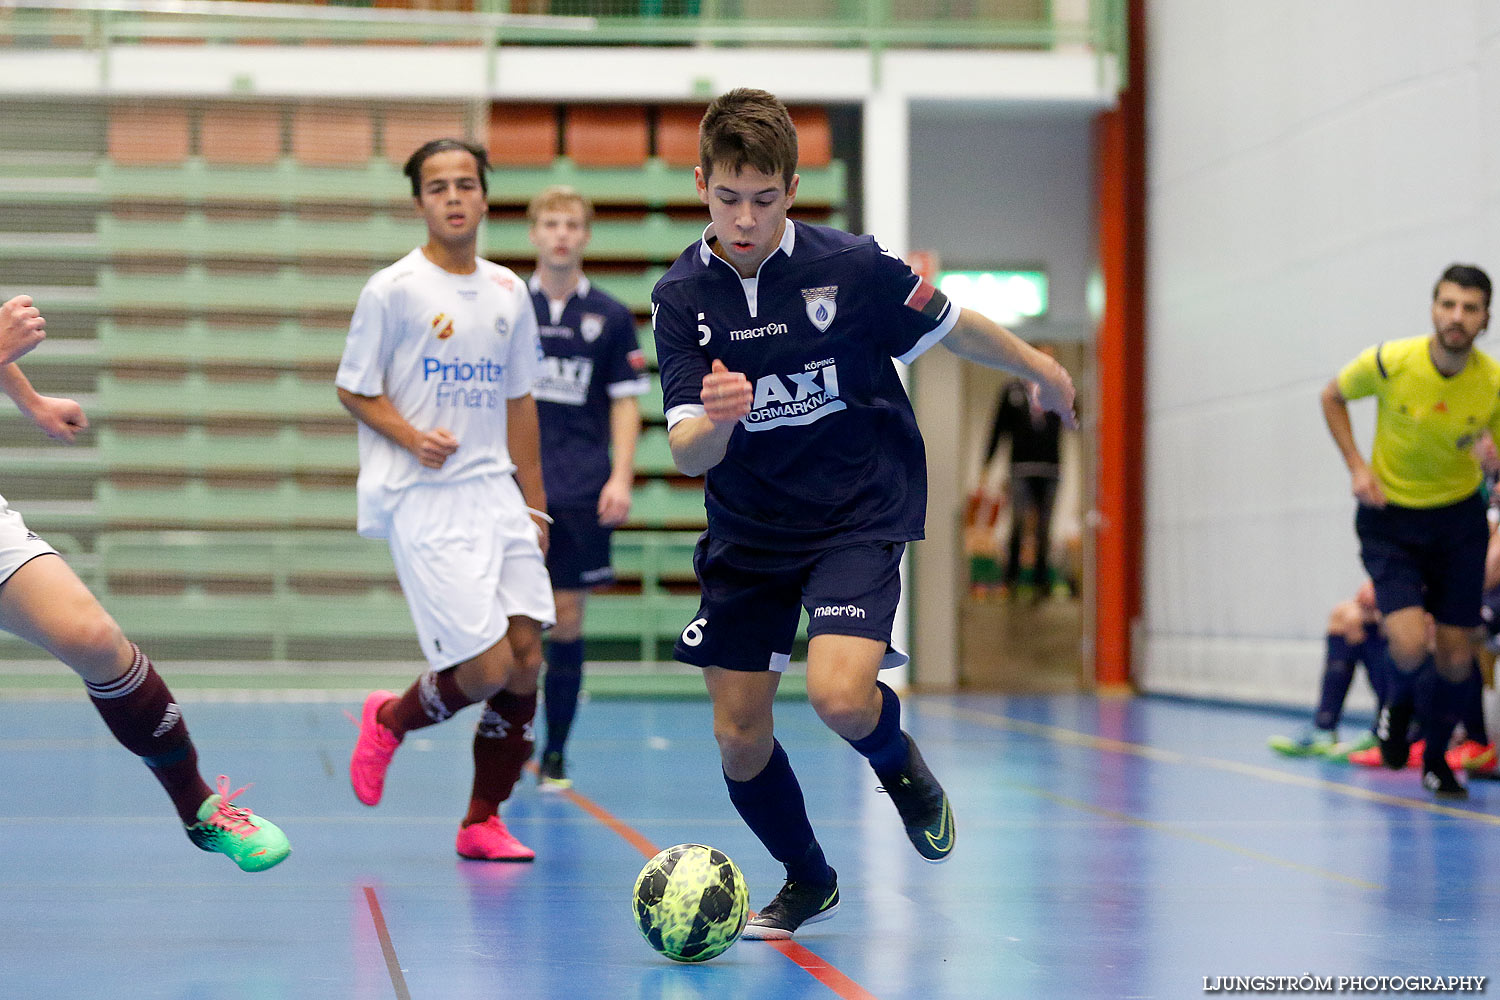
x: 1431, y: 558
x: 753, y: 598
x: 578, y: 554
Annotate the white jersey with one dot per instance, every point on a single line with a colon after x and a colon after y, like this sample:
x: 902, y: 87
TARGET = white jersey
x: 448, y: 350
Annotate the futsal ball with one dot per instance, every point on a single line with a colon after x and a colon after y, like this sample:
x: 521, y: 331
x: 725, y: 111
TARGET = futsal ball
x: 691, y: 903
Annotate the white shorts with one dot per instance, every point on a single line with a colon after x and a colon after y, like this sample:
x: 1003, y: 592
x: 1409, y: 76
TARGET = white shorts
x: 468, y: 557
x: 18, y: 543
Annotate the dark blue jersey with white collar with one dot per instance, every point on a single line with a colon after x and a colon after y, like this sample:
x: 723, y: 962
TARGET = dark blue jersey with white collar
x: 830, y: 451
x: 590, y: 357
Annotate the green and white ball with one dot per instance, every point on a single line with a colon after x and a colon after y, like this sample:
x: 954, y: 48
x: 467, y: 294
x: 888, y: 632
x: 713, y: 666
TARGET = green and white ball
x: 691, y: 903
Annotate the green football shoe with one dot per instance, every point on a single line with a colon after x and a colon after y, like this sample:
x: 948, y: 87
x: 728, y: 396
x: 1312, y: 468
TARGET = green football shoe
x: 251, y: 842
x: 1314, y: 743
x: 1339, y: 752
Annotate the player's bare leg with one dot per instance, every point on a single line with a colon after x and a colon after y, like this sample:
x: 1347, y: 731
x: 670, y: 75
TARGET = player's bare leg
x: 46, y: 604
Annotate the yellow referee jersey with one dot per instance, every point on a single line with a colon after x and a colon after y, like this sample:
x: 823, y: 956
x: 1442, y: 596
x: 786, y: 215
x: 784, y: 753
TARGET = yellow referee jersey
x: 1426, y: 422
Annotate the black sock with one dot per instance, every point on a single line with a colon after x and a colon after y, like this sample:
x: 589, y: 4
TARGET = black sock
x: 771, y: 804
x: 885, y: 746
x: 1338, y: 672
x: 1471, y: 706
x: 560, y: 687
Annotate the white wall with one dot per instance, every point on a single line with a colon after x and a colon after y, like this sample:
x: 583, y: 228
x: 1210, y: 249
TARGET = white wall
x: 997, y: 186
x: 1313, y: 166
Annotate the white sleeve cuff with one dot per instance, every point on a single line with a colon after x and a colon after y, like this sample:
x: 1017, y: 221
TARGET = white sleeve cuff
x: 678, y: 414
x: 932, y: 336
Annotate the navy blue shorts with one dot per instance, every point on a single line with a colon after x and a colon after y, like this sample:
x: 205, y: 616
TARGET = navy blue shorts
x: 578, y: 554
x: 753, y: 598
x: 1430, y: 558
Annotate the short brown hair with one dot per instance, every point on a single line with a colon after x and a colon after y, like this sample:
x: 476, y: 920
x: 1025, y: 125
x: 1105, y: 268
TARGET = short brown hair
x: 558, y: 196
x: 427, y: 150
x: 748, y: 127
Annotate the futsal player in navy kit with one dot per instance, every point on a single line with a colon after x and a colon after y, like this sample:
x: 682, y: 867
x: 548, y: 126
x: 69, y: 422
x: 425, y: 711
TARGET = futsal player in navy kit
x: 592, y: 372
x: 775, y: 341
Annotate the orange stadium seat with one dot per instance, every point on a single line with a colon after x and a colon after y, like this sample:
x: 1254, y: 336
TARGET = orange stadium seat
x: 332, y: 136
x: 145, y: 134
x: 814, y: 138
x: 406, y: 128
x: 607, y: 135
x: 677, y: 134
x: 523, y: 135
x: 240, y: 133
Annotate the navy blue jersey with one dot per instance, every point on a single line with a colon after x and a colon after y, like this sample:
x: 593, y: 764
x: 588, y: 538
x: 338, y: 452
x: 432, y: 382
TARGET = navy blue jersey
x: 830, y: 451
x: 590, y: 357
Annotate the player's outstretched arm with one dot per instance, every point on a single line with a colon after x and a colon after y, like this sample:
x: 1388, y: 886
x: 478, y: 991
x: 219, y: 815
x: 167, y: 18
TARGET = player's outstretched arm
x: 56, y: 416
x: 975, y: 337
x: 22, y: 327
x: 699, y: 443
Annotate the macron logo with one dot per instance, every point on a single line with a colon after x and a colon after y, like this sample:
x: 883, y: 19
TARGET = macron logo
x: 838, y: 611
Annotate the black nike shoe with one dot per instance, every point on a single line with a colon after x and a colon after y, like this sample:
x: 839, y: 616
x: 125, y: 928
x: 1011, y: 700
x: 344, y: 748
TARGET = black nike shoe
x: 1438, y: 778
x: 1391, y: 730
x: 796, y: 904
x: 923, y: 806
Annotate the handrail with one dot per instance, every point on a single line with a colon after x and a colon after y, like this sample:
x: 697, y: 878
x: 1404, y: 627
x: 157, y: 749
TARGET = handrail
x: 102, y: 23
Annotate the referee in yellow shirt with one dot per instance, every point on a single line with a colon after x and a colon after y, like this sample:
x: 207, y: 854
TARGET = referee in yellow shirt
x: 1421, y: 516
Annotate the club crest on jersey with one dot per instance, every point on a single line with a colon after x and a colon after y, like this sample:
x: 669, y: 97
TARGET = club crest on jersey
x: 822, y: 305
x: 442, y: 326
x: 591, y: 326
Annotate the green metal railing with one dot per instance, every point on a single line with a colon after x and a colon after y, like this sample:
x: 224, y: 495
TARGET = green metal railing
x: 839, y: 23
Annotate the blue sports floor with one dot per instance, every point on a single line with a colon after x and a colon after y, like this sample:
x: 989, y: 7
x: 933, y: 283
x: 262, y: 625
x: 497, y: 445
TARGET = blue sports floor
x: 1108, y: 848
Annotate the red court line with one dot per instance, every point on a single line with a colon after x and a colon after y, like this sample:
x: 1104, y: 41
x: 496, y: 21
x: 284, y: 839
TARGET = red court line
x: 392, y: 966
x: 838, y: 983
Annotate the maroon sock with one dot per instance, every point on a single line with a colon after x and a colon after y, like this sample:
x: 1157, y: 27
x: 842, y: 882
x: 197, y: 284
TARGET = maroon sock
x: 139, y: 710
x: 431, y: 699
x: 502, y: 745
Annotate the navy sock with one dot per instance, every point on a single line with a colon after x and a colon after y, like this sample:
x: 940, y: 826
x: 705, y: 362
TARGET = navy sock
x: 1401, y: 685
x: 885, y: 747
x: 1378, y: 668
x: 1338, y: 673
x: 1439, y: 702
x: 1471, y: 706
x: 560, y: 687
x: 771, y: 804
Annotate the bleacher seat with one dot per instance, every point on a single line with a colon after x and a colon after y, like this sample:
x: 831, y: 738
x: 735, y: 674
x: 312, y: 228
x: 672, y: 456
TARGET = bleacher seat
x: 406, y: 128
x: 658, y: 504
x: 195, y: 450
x: 151, y: 134
x: 275, y: 237
x: 677, y: 134
x: 653, y: 455
x: 198, y: 504
x: 240, y: 133
x: 814, y: 137
x: 522, y: 135
x: 332, y: 135
x: 286, y: 291
x: 194, y: 396
x: 655, y: 559
x: 196, y: 343
x: 606, y: 135
x: 655, y: 237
